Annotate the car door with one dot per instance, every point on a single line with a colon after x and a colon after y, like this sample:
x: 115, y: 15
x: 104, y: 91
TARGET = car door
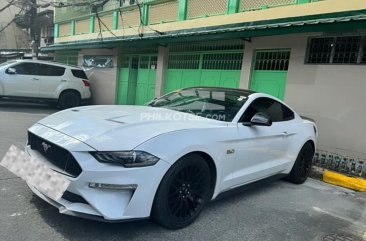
x: 51, y: 77
x: 262, y: 150
x: 24, y: 82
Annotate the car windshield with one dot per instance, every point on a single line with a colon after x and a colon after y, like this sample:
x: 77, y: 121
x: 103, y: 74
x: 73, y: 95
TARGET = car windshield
x: 213, y: 103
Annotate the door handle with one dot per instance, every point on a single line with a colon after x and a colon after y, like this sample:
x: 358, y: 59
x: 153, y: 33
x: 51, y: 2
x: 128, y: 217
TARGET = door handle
x: 285, y: 133
x: 35, y: 79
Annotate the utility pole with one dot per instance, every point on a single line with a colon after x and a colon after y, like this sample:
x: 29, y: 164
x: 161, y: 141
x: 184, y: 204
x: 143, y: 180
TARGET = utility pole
x: 33, y: 28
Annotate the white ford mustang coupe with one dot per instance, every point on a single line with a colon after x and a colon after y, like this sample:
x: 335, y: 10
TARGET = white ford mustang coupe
x: 168, y: 159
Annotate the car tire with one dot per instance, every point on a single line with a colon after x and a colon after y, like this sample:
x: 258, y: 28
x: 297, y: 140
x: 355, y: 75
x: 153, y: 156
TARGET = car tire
x: 183, y: 192
x: 302, y: 167
x: 69, y: 99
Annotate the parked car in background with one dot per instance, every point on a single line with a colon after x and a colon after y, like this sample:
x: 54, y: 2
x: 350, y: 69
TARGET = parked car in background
x: 168, y: 159
x: 54, y: 83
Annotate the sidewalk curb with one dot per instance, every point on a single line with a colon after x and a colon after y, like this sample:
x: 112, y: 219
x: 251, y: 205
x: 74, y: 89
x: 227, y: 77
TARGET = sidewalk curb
x: 338, y: 179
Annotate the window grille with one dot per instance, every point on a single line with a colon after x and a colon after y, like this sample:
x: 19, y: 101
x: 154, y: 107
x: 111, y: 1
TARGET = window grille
x: 125, y: 62
x: 222, y: 61
x: 184, y: 61
x: 199, y: 8
x: 272, y: 60
x: 144, y: 62
x: 363, y: 51
x: 320, y: 50
x: 153, y: 62
x: 231, y: 45
x: 163, y: 12
x: 337, y: 50
x: 346, y: 49
x: 247, y: 5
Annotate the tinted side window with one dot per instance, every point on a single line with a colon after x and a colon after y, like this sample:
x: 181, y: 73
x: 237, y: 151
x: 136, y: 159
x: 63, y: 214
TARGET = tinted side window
x: 287, y: 113
x: 51, y: 70
x: 78, y: 73
x: 274, y: 109
x: 26, y: 68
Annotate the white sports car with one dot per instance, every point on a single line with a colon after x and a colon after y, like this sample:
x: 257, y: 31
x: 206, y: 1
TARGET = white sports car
x: 168, y: 159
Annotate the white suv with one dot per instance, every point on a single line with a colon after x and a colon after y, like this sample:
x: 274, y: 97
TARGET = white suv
x: 50, y: 82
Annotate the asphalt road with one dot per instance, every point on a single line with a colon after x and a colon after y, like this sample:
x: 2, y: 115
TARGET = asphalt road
x: 273, y: 211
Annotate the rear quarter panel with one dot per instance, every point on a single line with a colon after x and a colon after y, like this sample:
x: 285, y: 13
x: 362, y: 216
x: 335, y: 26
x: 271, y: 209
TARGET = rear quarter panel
x: 304, y: 132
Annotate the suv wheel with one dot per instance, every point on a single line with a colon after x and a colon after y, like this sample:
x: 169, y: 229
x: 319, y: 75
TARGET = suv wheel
x: 69, y: 99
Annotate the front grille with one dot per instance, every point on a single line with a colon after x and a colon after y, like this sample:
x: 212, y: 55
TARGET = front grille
x: 56, y: 155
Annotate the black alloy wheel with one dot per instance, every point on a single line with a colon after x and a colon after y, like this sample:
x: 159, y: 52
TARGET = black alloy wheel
x: 183, y: 192
x: 302, y: 166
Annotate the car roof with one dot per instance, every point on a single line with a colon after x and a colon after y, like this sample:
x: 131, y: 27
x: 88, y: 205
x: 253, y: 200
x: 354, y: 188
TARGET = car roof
x: 48, y: 62
x: 243, y: 91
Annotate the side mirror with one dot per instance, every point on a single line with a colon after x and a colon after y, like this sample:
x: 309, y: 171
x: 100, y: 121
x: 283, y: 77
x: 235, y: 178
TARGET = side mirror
x: 11, y: 71
x: 261, y: 119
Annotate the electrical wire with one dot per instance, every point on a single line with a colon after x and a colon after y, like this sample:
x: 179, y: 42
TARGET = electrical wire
x: 122, y: 22
x: 101, y: 21
x: 7, y: 5
x: 140, y: 29
x: 100, y: 27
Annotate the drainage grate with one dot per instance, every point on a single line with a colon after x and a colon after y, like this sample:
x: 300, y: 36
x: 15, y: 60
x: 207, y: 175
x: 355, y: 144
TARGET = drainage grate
x: 338, y: 237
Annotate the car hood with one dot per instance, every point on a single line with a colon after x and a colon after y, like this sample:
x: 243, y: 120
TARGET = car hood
x: 111, y: 128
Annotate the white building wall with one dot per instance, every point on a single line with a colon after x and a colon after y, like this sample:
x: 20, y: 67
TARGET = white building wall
x: 103, y: 80
x: 333, y: 95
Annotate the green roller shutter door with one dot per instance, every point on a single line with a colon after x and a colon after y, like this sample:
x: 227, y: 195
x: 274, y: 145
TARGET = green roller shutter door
x: 217, y: 69
x: 269, y: 72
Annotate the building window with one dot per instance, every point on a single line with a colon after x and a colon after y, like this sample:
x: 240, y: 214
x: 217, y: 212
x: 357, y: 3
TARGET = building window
x: 124, y: 3
x: 320, y: 50
x: 346, y: 50
x: 184, y: 61
x: 222, y: 61
x: 337, y: 50
x: 98, y: 61
x: 272, y: 60
x: 363, y: 60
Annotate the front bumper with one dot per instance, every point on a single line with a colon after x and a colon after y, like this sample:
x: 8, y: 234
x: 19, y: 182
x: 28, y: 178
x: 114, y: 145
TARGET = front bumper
x: 105, y: 204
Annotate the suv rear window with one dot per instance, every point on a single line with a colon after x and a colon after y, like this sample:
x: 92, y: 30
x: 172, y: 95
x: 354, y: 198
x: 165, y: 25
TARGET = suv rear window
x: 79, y: 73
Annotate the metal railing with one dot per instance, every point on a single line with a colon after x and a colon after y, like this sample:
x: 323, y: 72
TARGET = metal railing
x: 76, y: 20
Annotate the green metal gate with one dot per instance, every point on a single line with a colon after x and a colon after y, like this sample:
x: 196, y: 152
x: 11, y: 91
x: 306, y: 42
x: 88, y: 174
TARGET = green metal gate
x: 146, y: 79
x: 216, y: 64
x: 269, y: 72
x: 137, y: 78
x: 67, y: 57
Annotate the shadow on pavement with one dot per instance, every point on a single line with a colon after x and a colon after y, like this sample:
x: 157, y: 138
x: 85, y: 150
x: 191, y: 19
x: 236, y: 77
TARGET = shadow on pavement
x: 27, y: 107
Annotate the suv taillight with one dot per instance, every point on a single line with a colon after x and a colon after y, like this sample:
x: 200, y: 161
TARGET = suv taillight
x: 86, y: 83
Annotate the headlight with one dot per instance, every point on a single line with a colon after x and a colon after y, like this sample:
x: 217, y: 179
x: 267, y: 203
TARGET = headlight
x: 127, y: 158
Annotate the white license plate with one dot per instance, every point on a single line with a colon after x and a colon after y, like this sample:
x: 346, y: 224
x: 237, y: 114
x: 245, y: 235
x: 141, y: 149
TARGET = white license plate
x: 35, y: 173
